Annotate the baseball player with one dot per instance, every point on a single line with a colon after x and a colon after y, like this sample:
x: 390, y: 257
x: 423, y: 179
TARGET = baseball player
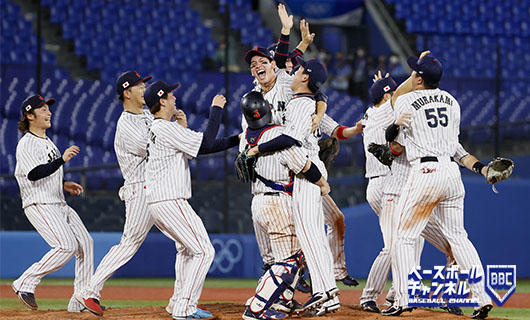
x: 272, y: 210
x: 275, y: 86
x: 168, y: 186
x: 434, y: 181
x: 383, y: 91
x: 307, y: 202
x: 39, y: 174
x: 130, y: 143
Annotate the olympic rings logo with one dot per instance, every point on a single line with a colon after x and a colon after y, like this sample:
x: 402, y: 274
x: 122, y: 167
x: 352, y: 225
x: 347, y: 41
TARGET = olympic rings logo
x: 227, y: 255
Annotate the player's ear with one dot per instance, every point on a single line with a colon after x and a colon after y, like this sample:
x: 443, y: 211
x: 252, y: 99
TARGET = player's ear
x: 30, y: 116
x: 127, y: 94
x: 273, y: 64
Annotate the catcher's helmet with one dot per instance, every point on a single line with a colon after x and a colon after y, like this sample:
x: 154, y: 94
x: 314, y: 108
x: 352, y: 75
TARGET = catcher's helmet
x: 256, y: 109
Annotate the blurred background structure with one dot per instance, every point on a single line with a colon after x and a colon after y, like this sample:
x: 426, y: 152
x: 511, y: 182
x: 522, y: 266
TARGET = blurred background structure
x: 73, y: 50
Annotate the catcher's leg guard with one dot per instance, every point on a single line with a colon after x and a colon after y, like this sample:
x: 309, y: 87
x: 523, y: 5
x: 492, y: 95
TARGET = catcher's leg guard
x: 275, y: 282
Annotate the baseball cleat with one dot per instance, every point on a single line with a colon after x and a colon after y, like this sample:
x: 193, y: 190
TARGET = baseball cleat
x: 268, y: 314
x: 317, y: 299
x: 389, y: 302
x: 482, y: 312
x: 349, y: 281
x: 286, y: 306
x: 322, y: 310
x: 454, y: 310
x: 395, y: 311
x: 199, y: 314
x: 28, y: 299
x: 370, y: 306
x: 91, y: 304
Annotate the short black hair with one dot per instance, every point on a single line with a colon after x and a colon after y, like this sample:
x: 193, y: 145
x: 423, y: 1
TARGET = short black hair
x: 156, y: 107
x: 377, y: 101
x: 310, y: 84
x: 428, y: 85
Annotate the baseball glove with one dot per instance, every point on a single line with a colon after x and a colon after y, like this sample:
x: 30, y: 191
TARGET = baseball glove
x: 329, y: 148
x: 499, y: 169
x: 245, y: 165
x: 382, y: 153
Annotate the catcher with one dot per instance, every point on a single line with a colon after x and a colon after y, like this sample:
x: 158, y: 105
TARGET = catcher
x: 272, y: 176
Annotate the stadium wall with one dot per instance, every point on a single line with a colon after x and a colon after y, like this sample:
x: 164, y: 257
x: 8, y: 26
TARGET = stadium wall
x: 492, y: 222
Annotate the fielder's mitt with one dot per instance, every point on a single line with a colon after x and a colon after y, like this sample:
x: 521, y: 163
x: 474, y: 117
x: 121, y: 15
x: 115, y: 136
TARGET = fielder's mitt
x: 245, y: 165
x: 329, y: 148
x: 382, y: 153
x: 499, y: 169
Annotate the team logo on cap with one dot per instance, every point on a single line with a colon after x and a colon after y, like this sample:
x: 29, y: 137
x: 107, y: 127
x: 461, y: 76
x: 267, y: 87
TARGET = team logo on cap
x: 125, y: 84
x: 160, y: 93
x: 137, y: 74
x: 41, y: 97
x: 386, y: 89
x: 28, y: 107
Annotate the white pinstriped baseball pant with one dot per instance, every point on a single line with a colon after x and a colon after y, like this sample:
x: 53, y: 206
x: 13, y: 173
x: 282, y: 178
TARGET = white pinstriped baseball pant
x: 272, y: 215
x: 60, y: 226
x: 138, y: 222
x: 430, y: 185
x: 309, y: 226
x: 177, y: 219
x: 334, y: 219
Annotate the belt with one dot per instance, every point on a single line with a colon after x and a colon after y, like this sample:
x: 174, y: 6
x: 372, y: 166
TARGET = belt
x: 432, y: 159
x: 272, y: 193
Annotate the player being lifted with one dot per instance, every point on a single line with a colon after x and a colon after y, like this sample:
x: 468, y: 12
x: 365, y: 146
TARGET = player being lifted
x: 39, y: 174
x: 275, y: 85
x: 434, y: 181
x: 272, y: 210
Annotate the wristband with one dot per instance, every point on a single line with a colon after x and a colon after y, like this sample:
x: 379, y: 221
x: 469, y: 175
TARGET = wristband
x: 313, y: 174
x: 340, y: 136
x: 477, y: 167
x: 394, y: 152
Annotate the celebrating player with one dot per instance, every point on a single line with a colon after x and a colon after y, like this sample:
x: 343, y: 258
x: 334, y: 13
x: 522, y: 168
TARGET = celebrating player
x: 272, y: 210
x: 130, y: 143
x: 168, y: 186
x: 431, y: 140
x: 39, y: 174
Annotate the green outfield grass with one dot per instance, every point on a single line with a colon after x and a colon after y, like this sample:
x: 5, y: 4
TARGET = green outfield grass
x: 523, y: 285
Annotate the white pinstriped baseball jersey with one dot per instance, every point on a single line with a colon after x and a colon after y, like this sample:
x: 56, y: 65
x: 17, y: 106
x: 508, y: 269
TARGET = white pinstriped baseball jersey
x: 33, y: 151
x: 167, y: 170
x: 130, y: 144
x: 401, y: 168
x: 375, y: 121
x: 276, y: 166
x: 298, y: 127
x: 435, y: 126
x: 328, y: 125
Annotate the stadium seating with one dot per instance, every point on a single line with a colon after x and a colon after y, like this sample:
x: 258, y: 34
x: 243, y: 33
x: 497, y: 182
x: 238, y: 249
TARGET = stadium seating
x: 465, y: 35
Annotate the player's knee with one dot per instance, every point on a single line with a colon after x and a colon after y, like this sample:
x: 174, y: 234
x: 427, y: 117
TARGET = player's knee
x: 209, y: 251
x: 68, y: 246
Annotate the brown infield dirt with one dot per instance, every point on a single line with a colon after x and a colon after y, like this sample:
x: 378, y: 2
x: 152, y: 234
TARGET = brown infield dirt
x: 231, y: 308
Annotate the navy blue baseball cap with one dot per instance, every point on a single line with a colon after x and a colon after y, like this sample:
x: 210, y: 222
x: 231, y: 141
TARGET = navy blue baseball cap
x: 129, y: 79
x: 382, y: 86
x: 428, y: 67
x: 156, y: 90
x: 258, y: 51
x: 316, y: 70
x: 34, y: 102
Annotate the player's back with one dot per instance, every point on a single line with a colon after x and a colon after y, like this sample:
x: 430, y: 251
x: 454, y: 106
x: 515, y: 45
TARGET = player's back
x: 435, y: 125
x: 375, y: 121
